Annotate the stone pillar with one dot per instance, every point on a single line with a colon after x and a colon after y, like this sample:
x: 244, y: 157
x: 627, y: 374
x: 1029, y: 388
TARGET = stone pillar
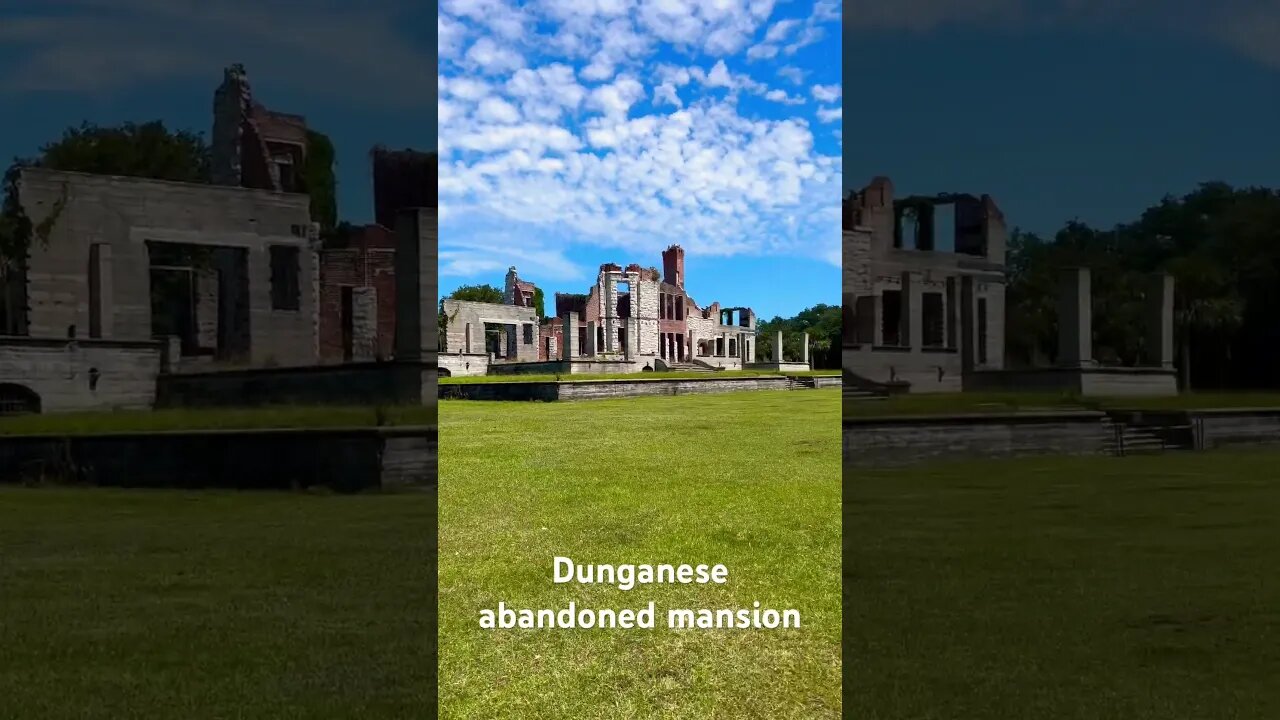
x: 364, y: 323
x: 952, y: 311
x: 1075, y: 318
x: 589, y: 348
x: 1159, y: 321
x: 912, y: 329
x: 877, y: 320
x: 417, y: 334
x: 805, y: 346
x: 569, y: 346
x: 777, y: 348
x: 101, y: 306
x: 968, y: 328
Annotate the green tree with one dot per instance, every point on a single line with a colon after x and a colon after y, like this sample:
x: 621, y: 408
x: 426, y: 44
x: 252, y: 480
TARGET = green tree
x: 148, y: 150
x: 478, y: 293
x: 539, y: 305
x: 319, y: 182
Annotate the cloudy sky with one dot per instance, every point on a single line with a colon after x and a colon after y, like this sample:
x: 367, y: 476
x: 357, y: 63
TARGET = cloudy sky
x: 1063, y: 108
x: 361, y: 71
x: 578, y: 132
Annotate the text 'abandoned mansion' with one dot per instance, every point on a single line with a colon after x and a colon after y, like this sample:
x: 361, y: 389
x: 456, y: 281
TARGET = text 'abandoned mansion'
x: 631, y: 319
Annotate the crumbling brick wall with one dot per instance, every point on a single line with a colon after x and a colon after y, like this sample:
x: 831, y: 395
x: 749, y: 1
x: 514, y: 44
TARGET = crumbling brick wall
x: 366, y: 264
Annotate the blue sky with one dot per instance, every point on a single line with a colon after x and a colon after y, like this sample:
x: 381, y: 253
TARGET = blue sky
x: 579, y: 132
x: 1069, y: 109
x: 362, y: 72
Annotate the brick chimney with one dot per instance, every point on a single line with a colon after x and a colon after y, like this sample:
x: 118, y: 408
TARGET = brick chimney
x: 673, y: 266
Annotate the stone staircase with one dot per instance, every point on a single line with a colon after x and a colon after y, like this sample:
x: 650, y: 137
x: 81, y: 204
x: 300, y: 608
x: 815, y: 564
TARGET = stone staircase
x: 795, y: 382
x: 1133, y: 433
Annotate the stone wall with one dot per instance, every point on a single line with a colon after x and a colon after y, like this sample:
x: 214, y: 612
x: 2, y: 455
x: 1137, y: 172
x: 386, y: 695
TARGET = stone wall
x: 121, y: 215
x: 919, y: 368
x: 890, y: 441
x: 369, y: 383
x: 1089, y: 382
x: 346, y: 460
x: 597, y: 389
x: 62, y: 372
x: 644, y: 308
x: 417, y: 333
x: 567, y: 367
x: 469, y: 317
x: 370, y: 273
x: 461, y: 365
x: 1222, y: 428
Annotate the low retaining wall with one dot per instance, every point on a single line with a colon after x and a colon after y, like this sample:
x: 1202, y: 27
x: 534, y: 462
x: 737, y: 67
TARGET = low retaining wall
x: 596, y: 389
x: 1222, y: 428
x: 345, y: 460
x: 367, y: 383
x: 1087, y: 382
x: 460, y: 365
x: 83, y: 374
x: 566, y: 367
x: 895, y: 441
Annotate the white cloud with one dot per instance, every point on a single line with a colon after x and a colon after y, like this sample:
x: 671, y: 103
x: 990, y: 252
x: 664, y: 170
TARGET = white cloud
x: 616, y: 98
x: 826, y: 93
x: 490, y: 57
x: 828, y: 115
x: 792, y: 73
x: 781, y: 96
x: 495, y: 109
x: 573, y: 153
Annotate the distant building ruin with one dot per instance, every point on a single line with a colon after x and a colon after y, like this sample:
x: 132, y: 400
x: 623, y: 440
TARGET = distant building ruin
x: 924, y: 286
x: 251, y: 146
x: 630, y: 319
x: 924, y: 304
x: 139, y: 281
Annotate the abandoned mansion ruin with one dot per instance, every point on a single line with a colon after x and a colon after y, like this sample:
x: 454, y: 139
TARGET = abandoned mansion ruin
x: 136, y: 290
x: 632, y: 319
x: 924, y: 304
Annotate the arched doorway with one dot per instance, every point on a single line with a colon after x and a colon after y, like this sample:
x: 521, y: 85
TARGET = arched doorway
x: 18, y: 400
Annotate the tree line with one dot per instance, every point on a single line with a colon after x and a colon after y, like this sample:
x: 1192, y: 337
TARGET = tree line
x: 1220, y: 243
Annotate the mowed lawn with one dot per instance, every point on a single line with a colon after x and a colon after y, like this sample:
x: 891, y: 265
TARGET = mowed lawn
x: 1138, y: 587
x: 750, y: 480
x: 167, y: 604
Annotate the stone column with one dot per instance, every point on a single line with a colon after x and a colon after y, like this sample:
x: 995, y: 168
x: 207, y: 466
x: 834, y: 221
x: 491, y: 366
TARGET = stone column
x: 589, y: 348
x: 951, y: 303
x: 101, y: 291
x: 805, y: 345
x: 1075, y: 318
x: 877, y: 319
x: 1159, y: 306
x: 569, y: 346
x: 968, y: 328
x: 777, y: 348
x: 911, y: 332
x: 417, y: 337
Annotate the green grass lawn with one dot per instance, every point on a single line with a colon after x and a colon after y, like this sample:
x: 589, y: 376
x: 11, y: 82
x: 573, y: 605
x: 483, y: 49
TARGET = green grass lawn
x: 664, y: 375
x: 1137, y: 588
x: 750, y: 480
x: 166, y: 604
x: 216, y: 418
x: 1004, y: 402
